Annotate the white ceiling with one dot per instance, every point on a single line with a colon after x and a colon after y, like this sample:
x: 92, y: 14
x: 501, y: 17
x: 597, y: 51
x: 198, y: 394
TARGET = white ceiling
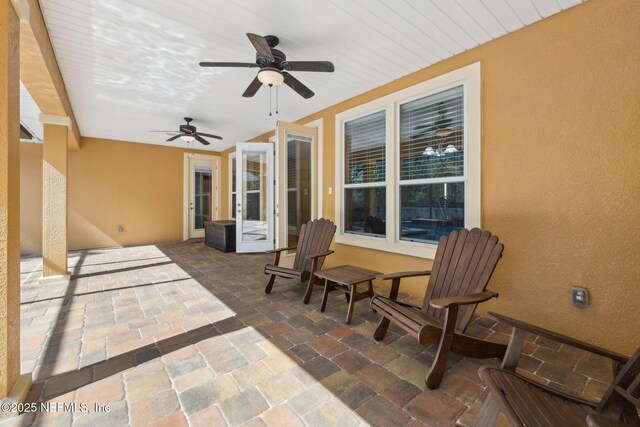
x: 30, y: 114
x: 131, y: 66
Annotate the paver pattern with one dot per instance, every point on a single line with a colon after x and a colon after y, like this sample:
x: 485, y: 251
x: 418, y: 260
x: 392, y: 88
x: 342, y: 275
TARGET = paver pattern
x: 181, y: 334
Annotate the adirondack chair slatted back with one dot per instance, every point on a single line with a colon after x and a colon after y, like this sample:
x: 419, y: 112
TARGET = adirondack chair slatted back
x: 625, y: 387
x: 463, y: 265
x: 315, y: 238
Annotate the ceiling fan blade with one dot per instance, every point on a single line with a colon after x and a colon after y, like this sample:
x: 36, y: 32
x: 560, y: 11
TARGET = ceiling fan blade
x: 173, y: 138
x: 261, y: 45
x: 201, y: 139
x: 297, y: 85
x: 318, y: 66
x: 208, y: 135
x: 253, y: 88
x: 229, y: 64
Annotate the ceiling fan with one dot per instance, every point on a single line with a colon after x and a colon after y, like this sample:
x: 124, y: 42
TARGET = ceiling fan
x: 188, y: 133
x: 441, y: 126
x: 274, y: 67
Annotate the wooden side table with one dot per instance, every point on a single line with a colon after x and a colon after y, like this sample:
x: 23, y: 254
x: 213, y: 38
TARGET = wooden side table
x: 346, y: 278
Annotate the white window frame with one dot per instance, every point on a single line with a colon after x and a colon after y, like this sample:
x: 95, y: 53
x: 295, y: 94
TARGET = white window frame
x: 468, y: 76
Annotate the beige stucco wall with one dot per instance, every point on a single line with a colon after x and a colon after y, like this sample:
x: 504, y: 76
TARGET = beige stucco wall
x: 560, y: 175
x: 55, y: 200
x: 225, y: 184
x: 111, y: 183
x: 30, y: 198
x: 9, y: 198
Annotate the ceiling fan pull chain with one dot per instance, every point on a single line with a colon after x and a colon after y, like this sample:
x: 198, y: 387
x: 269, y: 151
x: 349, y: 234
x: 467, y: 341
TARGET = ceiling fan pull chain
x: 276, y: 99
x: 270, y: 90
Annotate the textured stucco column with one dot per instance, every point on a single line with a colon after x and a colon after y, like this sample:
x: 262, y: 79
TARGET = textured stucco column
x: 13, y: 387
x: 54, y: 197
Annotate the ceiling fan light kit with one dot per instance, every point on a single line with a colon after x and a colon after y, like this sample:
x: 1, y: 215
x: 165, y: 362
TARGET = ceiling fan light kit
x: 270, y: 76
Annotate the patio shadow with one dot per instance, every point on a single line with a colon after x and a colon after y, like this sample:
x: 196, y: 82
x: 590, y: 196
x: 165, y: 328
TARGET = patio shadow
x: 60, y: 384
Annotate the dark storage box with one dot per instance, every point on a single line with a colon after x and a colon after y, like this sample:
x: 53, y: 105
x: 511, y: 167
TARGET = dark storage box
x: 220, y: 235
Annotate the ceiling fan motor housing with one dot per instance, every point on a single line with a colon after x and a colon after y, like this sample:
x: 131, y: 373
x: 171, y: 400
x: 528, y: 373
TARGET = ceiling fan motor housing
x: 187, y: 129
x: 279, y: 57
x: 272, y: 41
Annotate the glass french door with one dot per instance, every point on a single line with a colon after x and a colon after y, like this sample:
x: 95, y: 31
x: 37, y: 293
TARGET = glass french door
x: 254, y: 197
x: 296, y: 201
x: 201, y: 200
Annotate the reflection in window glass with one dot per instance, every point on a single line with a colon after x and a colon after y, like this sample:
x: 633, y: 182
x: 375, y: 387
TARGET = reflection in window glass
x: 254, y: 189
x: 202, y: 195
x: 428, y: 211
x: 298, y: 185
x: 365, y: 210
x: 233, y: 188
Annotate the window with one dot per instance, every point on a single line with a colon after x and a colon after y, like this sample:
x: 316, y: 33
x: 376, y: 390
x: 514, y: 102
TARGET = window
x: 431, y: 166
x: 232, y: 181
x: 202, y: 194
x: 365, y: 175
x: 253, y: 182
x: 409, y: 165
x: 299, y: 183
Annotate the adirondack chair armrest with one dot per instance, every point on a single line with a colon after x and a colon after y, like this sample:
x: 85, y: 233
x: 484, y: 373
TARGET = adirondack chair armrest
x: 397, y: 277
x: 402, y: 275
x: 462, y: 300
x: 315, y: 256
x: 273, y: 251
x: 563, y: 339
x: 278, y: 252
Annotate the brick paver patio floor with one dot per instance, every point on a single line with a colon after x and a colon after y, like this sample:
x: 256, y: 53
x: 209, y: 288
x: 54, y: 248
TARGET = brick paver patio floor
x: 181, y: 334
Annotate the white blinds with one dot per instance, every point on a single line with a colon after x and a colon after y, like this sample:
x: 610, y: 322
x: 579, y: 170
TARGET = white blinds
x: 252, y: 171
x: 298, y: 157
x: 432, y: 136
x: 365, y: 149
x: 203, y: 169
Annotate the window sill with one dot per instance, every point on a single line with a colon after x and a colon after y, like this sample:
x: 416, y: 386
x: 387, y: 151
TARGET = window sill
x: 414, y: 249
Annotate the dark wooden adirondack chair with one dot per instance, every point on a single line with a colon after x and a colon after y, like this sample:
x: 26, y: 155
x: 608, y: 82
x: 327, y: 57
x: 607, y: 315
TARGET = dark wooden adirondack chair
x: 313, y: 247
x: 463, y: 265
x: 528, y: 403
